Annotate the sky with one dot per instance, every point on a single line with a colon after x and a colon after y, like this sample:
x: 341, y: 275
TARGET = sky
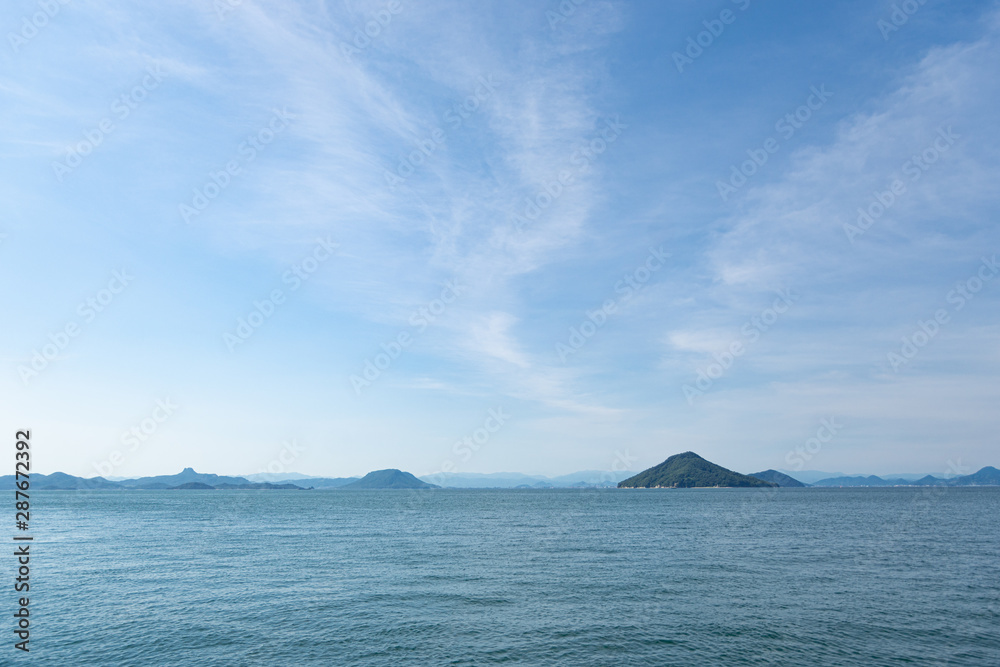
x: 334, y: 237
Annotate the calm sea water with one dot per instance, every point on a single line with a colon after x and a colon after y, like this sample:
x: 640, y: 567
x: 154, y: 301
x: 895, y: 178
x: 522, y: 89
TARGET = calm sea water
x: 520, y: 577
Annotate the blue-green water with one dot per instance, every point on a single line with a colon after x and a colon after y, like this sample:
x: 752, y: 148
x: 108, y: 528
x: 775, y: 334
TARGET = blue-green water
x: 564, y: 577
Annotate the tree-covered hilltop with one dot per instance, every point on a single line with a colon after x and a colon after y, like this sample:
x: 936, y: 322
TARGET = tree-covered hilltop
x: 689, y: 470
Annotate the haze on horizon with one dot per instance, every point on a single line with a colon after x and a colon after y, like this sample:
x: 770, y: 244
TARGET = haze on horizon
x: 245, y: 235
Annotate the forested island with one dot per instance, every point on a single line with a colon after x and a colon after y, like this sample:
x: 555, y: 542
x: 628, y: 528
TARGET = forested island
x: 688, y: 470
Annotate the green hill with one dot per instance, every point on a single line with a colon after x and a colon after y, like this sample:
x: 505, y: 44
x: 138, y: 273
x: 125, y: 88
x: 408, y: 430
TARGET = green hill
x: 688, y: 470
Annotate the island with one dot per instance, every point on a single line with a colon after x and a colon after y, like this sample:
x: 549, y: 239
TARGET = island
x: 389, y: 479
x: 688, y: 470
x: 779, y: 478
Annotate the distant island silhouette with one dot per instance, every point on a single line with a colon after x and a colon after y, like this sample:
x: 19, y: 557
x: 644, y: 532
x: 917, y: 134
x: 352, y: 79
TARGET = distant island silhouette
x: 686, y: 470
x: 389, y: 479
x: 189, y: 480
x: 779, y: 478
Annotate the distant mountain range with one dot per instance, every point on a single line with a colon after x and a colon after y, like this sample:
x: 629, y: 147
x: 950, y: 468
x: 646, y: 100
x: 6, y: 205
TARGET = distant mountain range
x: 988, y: 476
x: 810, y: 476
x: 303, y: 480
x: 188, y: 479
x: 678, y: 471
x: 295, y: 477
x: 587, y: 479
x: 688, y: 470
x: 186, y: 476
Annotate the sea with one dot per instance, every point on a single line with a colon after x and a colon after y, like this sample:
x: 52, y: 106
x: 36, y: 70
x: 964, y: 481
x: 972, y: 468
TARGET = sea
x: 881, y: 576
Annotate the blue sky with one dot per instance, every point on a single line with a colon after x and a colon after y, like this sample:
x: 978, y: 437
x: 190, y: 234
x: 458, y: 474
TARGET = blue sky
x: 471, y: 183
